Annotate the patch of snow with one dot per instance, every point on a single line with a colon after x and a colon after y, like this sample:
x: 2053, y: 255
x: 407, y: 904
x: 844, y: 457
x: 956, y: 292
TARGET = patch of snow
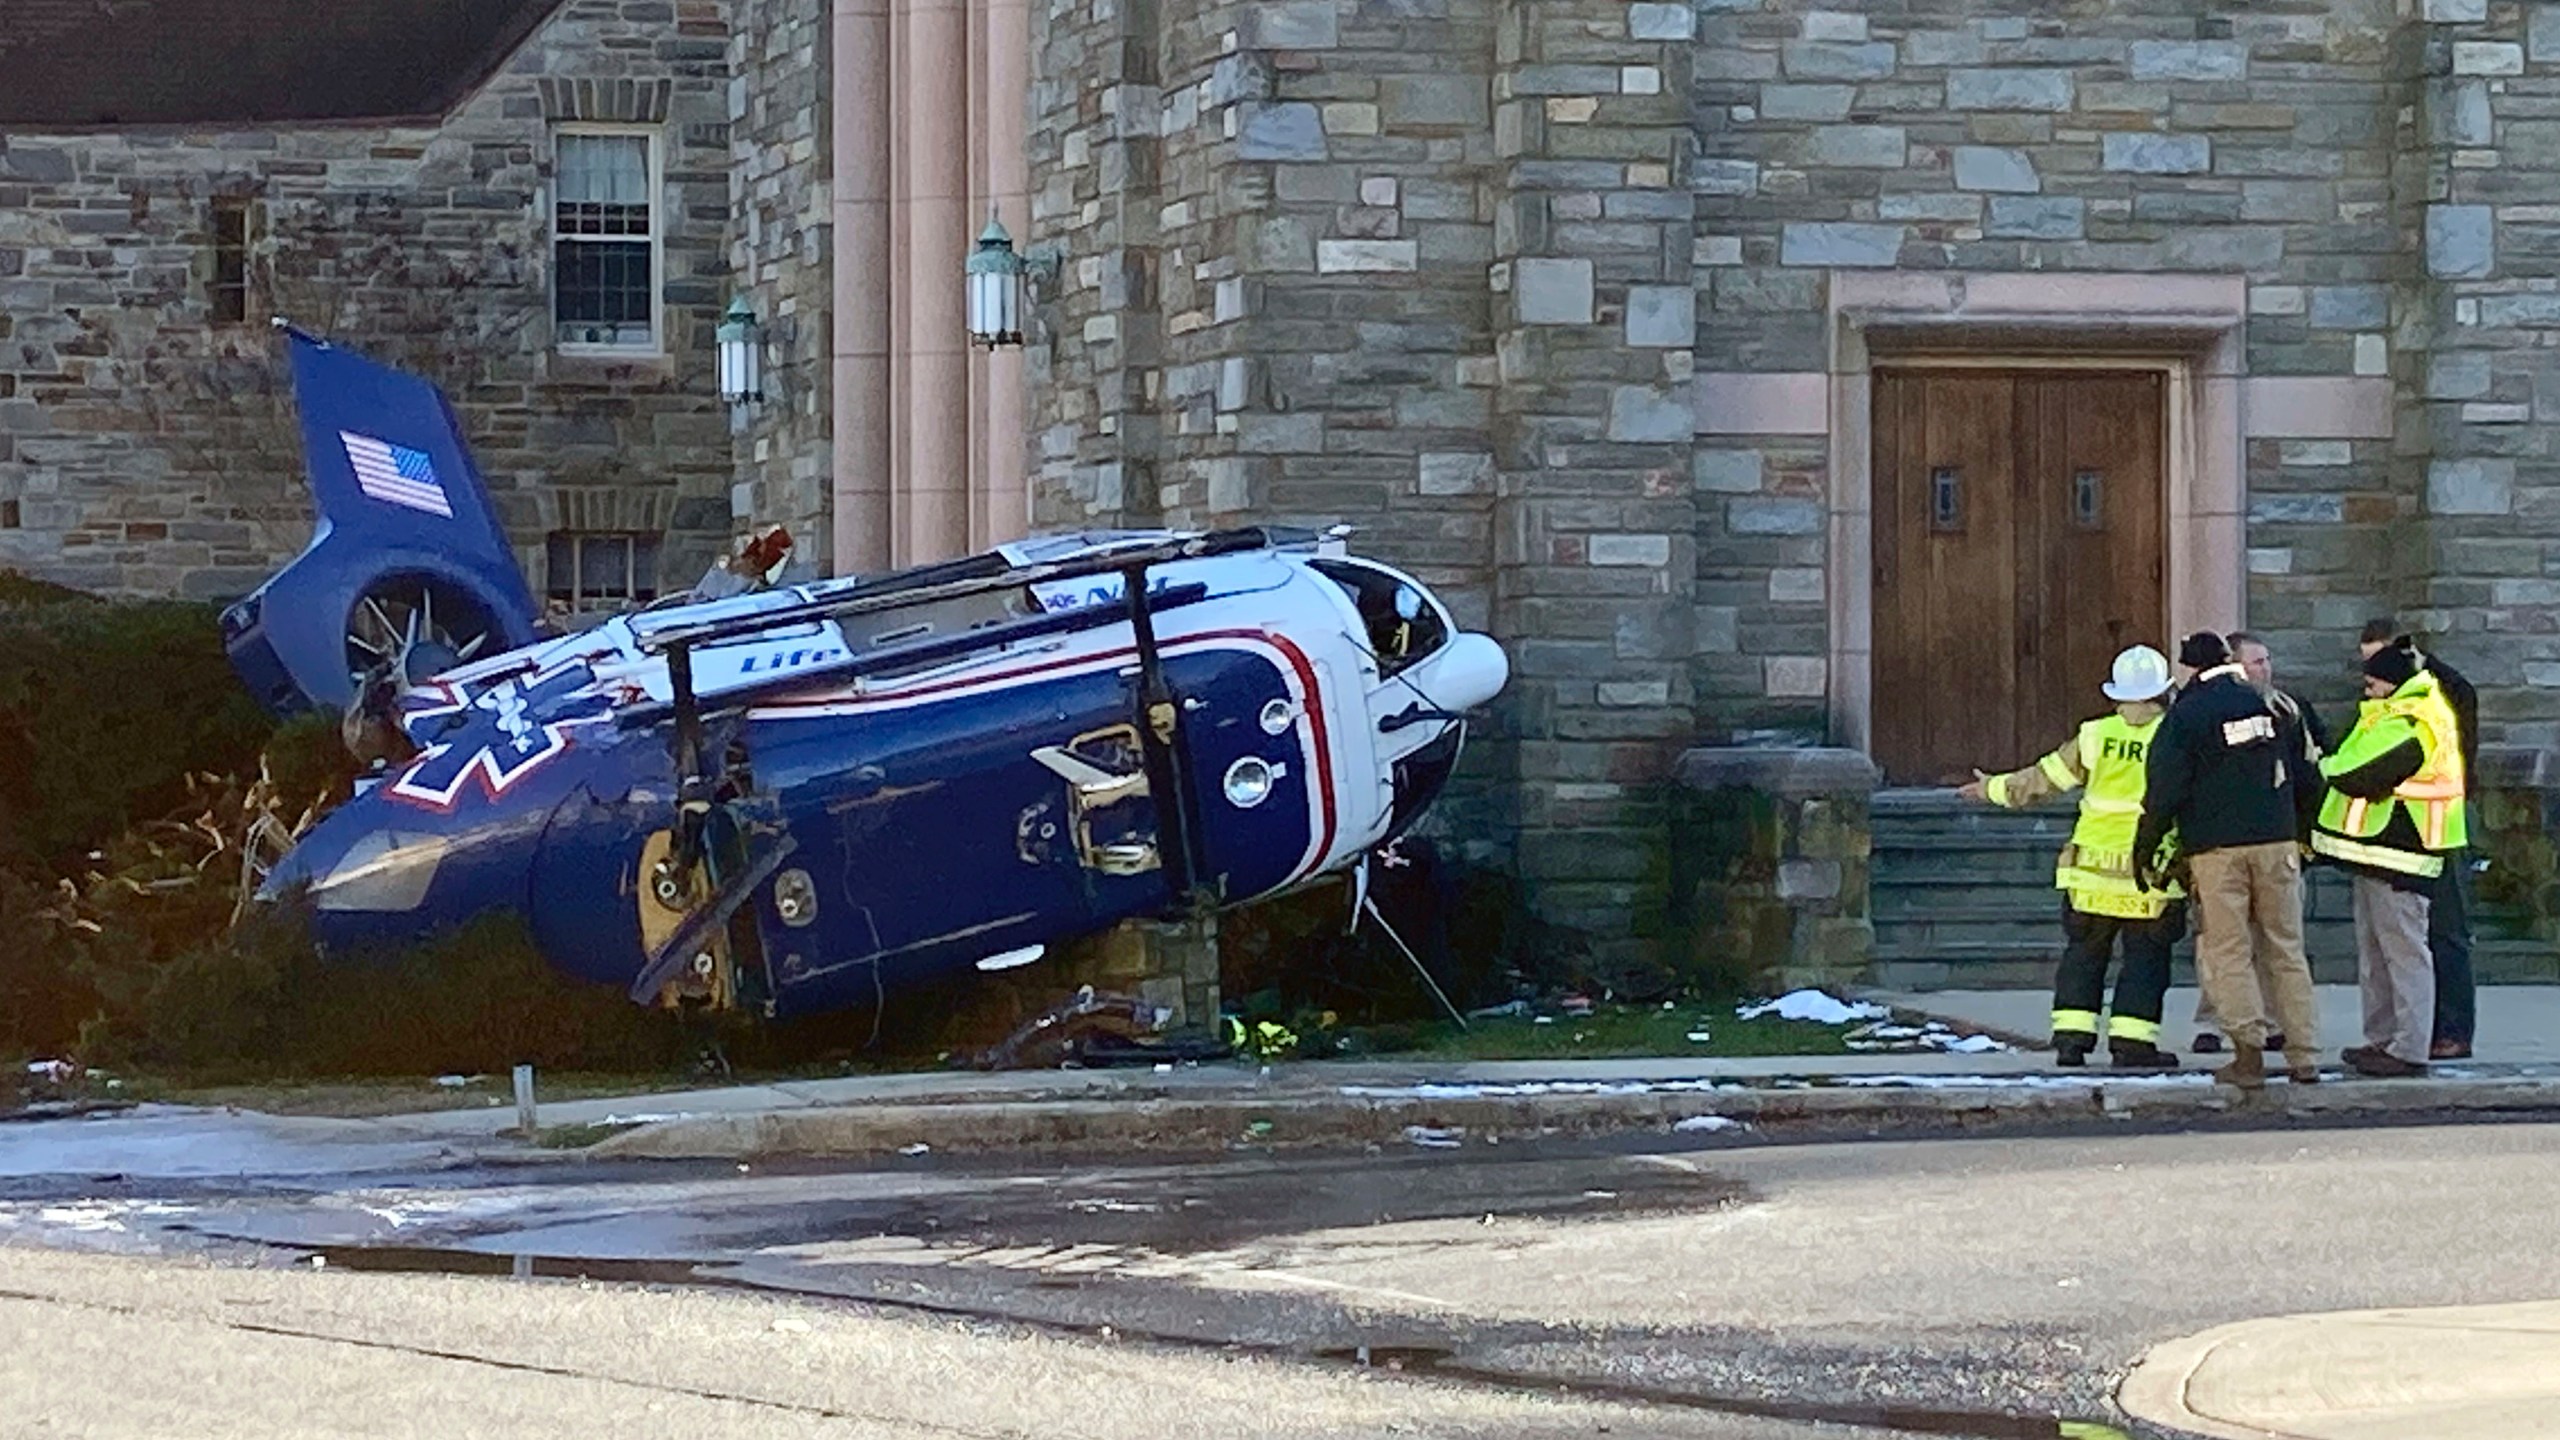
x: 1530, y: 1088
x: 2021, y: 1082
x: 646, y: 1117
x: 1815, y: 1006
x: 1972, y: 1045
x: 918, y: 1148
x: 1430, y: 1139
x: 1697, y: 1124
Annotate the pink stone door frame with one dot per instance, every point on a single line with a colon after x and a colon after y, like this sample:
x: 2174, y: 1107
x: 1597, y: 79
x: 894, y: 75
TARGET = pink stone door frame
x: 2186, y: 326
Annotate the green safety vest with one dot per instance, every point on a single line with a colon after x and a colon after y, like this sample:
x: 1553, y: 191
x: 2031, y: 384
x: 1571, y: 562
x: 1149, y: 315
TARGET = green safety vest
x: 2096, y: 867
x: 2355, y: 830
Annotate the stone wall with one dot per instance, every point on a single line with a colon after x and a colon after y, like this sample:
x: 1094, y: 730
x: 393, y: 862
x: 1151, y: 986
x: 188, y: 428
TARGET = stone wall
x: 2200, y: 137
x: 149, y: 451
x: 1421, y: 266
x: 2482, y: 420
x: 781, y: 247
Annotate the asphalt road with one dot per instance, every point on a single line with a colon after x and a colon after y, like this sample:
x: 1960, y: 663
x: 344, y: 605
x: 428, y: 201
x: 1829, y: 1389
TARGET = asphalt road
x: 1730, y: 1287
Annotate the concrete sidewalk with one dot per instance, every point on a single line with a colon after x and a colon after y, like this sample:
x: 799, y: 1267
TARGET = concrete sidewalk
x: 2484, y: 1372
x: 1215, y: 1106
x: 2519, y: 1024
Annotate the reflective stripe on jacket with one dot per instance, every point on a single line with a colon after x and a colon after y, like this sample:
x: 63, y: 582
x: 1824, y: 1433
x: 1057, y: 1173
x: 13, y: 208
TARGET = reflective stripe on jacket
x: 2409, y: 831
x: 2105, y: 762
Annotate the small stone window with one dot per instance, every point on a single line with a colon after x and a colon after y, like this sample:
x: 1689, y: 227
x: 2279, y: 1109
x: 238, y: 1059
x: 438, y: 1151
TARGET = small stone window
x: 10, y: 516
x: 227, y: 285
x: 604, y: 253
x: 600, y: 570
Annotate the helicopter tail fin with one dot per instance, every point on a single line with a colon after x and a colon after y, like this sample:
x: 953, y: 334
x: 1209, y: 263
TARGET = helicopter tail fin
x: 402, y: 512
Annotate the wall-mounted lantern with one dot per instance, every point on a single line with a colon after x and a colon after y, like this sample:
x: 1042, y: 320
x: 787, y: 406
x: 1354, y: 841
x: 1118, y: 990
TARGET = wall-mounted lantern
x: 995, y: 273
x: 741, y: 355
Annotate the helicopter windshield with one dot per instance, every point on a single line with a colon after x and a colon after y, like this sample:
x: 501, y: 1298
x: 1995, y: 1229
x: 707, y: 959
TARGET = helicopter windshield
x: 1403, y: 626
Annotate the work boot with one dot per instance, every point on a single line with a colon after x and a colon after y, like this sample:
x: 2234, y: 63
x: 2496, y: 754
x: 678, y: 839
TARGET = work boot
x: 2383, y: 1065
x: 2139, y: 1055
x: 2072, y: 1048
x: 2247, y: 1070
x: 2302, y: 1067
x: 2450, y: 1050
x: 2208, y: 1043
x: 2275, y: 1043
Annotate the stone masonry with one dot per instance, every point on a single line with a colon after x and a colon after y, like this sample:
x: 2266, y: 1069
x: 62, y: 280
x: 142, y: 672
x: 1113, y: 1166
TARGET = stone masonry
x: 781, y: 243
x: 2171, y: 138
x: 2356, y: 166
x: 1419, y: 266
x: 2480, y: 427
x: 146, y: 450
x: 1474, y: 274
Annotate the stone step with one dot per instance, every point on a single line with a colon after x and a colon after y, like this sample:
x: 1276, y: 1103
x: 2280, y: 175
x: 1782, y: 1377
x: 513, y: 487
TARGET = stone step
x: 1901, y: 804
x: 1916, y: 839
x: 2029, y: 963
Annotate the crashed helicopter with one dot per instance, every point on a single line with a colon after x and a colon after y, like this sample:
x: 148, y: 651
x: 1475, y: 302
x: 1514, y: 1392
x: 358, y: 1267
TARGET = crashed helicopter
x: 796, y: 799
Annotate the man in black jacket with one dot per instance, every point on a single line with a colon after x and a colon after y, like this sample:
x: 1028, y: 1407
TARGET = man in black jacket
x: 2448, y: 909
x: 2257, y: 661
x: 2222, y: 771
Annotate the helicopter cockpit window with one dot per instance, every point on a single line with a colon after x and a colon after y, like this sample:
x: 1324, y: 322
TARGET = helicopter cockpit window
x: 1403, y: 627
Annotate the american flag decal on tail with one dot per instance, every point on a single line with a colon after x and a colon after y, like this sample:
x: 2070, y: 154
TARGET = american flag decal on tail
x: 396, y: 474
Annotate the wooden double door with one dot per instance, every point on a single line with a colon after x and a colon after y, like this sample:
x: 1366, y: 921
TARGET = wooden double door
x: 2020, y: 533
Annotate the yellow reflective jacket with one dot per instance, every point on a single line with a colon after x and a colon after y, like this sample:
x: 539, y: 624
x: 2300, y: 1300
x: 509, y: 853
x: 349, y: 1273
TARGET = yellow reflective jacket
x: 2104, y: 761
x: 2381, y: 814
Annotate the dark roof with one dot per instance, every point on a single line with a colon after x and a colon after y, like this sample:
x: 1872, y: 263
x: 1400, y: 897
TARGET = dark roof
x: 85, y: 64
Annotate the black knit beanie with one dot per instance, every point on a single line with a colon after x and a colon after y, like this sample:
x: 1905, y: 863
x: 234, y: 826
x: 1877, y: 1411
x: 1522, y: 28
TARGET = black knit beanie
x: 2204, y: 650
x: 2396, y: 663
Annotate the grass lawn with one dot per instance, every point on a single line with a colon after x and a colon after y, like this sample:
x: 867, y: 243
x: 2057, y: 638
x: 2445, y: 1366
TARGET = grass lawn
x: 367, y: 1097
x: 1609, y: 1032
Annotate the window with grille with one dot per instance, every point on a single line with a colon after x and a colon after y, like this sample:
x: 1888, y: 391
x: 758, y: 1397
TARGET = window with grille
x: 604, y: 241
x: 227, y: 285
x: 600, y: 570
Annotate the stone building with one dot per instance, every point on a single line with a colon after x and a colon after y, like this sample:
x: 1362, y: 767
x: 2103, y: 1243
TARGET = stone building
x: 529, y: 203
x: 1860, y: 377
x: 1811, y: 395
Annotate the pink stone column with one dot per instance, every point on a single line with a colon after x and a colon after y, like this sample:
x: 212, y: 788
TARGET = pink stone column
x: 1002, y: 440
x: 859, y: 488
x: 974, y: 21
x: 935, y: 109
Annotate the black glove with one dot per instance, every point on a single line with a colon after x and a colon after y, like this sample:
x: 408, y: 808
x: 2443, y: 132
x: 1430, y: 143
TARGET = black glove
x: 2146, y: 874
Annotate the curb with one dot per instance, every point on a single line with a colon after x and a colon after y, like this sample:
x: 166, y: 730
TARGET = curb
x: 2155, y: 1390
x: 1379, y: 1115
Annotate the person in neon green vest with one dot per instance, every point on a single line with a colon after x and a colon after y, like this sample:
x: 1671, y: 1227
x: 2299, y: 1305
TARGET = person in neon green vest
x: 2394, y: 812
x: 2103, y: 906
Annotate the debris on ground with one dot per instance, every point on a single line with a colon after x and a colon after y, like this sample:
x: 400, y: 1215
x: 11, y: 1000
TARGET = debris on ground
x: 1813, y: 1006
x: 1091, y: 1027
x: 1432, y: 1138
x: 1934, y: 1035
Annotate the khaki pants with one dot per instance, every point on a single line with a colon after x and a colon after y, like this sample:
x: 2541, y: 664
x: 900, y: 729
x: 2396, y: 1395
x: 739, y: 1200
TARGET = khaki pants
x: 2398, y: 971
x: 2249, y: 945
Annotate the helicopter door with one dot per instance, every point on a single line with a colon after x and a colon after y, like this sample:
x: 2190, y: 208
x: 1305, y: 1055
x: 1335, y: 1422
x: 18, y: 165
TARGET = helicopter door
x: 1110, y: 819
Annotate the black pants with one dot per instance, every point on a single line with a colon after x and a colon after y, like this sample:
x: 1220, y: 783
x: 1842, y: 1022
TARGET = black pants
x: 2449, y: 939
x: 2080, y: 985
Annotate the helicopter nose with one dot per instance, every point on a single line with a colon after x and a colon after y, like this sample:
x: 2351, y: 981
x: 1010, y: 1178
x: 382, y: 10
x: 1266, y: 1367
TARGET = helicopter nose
x: 1470, y: 672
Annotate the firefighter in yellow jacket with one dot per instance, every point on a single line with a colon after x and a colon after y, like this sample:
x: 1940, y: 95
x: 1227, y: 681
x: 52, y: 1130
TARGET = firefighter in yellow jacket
x: 2102, y: 904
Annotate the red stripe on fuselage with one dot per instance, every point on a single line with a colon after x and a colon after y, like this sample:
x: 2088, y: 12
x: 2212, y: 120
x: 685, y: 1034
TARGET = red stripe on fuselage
x: 1297, y: 658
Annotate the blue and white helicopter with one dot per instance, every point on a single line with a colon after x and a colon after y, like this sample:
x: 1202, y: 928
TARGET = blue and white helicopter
x: 795, y: 799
